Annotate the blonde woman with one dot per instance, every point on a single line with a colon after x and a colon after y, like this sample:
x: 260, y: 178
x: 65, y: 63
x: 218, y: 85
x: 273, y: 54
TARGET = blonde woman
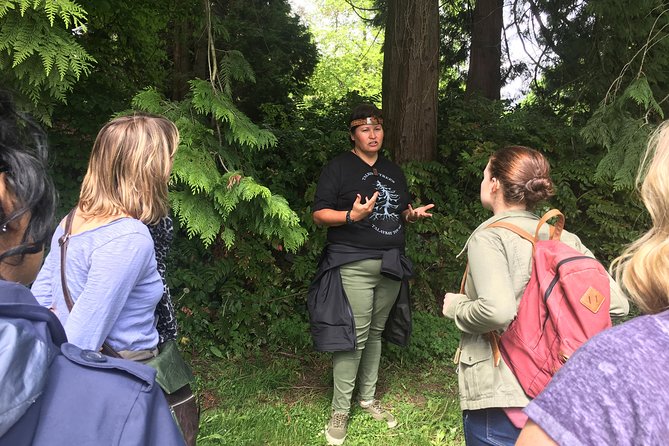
x: 111, y: 270
x: 614, y: 389
x: 46, y: 382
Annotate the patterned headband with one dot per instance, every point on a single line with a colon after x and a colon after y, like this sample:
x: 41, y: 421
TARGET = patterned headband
x: 372, y: 120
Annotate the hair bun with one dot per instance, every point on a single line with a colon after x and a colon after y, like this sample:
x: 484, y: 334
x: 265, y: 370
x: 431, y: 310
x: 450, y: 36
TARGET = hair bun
x: 538, y: 189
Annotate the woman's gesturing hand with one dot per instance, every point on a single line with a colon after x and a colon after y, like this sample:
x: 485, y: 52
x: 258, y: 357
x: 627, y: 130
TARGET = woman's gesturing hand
x: 361, y: 210
x: 412, y: 215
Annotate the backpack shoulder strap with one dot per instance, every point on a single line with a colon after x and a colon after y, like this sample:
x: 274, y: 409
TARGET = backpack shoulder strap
x: 63, y: 242
x: 500, y: 224
x: 513, y: 228
x: 555, y: 232
x: 556, y: 229
x: 464, y: 279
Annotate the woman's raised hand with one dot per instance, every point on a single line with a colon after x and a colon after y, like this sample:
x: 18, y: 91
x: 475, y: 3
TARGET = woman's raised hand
x: 361, y: 210
x: 413, y: 215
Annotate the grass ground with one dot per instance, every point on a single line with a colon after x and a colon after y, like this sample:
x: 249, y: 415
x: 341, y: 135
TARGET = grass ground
x: 284, y: 399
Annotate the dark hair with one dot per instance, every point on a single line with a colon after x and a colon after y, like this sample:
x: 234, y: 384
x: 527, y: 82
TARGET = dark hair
x: 363, y: 111
x: 524, y: 175
x: 23, y: 153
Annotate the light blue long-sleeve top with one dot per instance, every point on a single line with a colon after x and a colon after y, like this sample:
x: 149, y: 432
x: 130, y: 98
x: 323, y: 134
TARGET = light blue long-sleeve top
x: 114, y: 282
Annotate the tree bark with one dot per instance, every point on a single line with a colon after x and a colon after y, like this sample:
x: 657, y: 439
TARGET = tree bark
x: 410, y: 79
x: 182, y: 66
x: 485, y: 58
x: 189, y: 49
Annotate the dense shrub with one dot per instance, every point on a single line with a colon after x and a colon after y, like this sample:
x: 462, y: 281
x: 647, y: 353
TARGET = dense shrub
x: 434, y: 338
x: 231, y: 299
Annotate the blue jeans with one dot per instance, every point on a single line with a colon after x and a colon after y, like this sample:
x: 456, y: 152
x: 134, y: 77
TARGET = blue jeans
x: 487, y: 427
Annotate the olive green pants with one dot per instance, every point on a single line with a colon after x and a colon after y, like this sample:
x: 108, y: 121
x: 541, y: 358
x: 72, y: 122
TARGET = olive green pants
x: 371, y: 296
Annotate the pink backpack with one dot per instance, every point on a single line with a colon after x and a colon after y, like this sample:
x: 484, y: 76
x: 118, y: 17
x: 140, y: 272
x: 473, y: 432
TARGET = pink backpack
x: 565, y: 303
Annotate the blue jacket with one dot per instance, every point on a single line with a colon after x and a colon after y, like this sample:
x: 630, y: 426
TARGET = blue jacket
x: 54, y: 393
x: 330, y: 314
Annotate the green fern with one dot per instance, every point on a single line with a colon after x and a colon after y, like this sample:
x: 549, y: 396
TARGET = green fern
x: 197, y: 214
x: 220, y: 106
x: 211, y: 201
x: 639, y: 91
x: 32, y: 44
x: 622, y: 127
x: 234, y: 67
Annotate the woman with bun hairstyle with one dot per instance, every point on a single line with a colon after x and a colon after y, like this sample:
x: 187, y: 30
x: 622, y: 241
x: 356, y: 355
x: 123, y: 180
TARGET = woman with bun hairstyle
x: 515, y: 180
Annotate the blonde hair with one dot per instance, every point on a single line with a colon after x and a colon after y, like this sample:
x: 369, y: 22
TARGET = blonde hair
x: 644, y: 265
x: 129, y: 168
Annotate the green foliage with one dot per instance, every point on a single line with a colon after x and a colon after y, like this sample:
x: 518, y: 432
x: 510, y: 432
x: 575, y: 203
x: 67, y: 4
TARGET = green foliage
x: 590, y: 44
x: 434, y: 339
x: 207, y: 101
x: 208, y: 201
x: 285, y: 400
x: 234, y: 67
x: 229, y: 299
x: 40, y: 60
x: 455, y: 20
x: 432, y: 244
x: 128, y: 41
x: 277, y: 46
x: 351, y: 50
x: 623, y: 127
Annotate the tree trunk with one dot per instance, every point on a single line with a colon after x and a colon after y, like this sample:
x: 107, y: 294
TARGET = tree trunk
x: 181, y: 59
x: 189, y: 48
x: 410, y: 79
x: 485, y: 58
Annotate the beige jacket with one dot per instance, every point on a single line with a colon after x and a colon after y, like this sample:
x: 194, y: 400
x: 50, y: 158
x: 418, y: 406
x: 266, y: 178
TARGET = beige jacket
x: 499, y: 270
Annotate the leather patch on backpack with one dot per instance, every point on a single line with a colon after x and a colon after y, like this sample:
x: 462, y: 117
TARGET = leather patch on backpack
x: 592, y: 300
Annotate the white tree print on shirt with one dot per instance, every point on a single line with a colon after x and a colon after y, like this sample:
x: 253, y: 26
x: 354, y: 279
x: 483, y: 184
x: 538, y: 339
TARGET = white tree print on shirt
x: 386, y: 204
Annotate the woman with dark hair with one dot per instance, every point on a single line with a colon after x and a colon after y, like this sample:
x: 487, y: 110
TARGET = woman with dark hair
x: 361, y: 291
x: 46, y: 382
x: 29, y: 198
x: 515, y: 180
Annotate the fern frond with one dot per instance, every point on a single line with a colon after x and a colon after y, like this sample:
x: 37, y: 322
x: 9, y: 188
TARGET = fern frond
x: 234, y: 67
x: 197, y: 215
x: 208, y: 102
x: 195, y: 168
x: 5, y: 7
x: 34, y: 45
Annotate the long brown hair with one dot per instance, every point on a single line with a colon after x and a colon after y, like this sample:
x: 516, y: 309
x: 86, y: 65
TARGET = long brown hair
x: 129, y: 169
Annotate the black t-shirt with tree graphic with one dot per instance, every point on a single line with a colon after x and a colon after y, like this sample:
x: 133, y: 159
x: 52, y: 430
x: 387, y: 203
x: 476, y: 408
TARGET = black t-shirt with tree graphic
x: 348, y: 175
